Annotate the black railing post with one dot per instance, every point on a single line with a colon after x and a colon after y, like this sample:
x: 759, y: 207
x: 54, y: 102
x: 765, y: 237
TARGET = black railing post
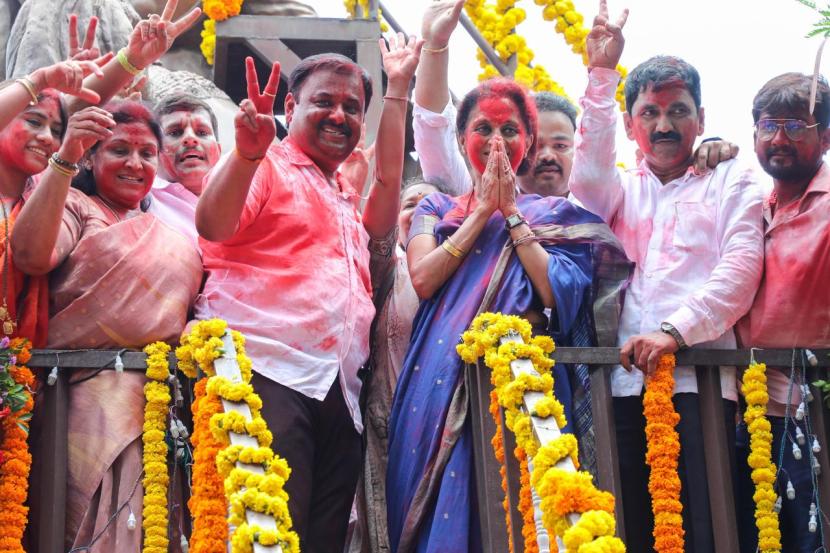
x: 720, y: 460
x: 50, y: 457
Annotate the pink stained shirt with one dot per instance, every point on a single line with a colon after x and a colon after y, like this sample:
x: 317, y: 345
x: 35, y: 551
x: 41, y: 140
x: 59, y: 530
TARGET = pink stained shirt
x: 696, y: 241
x: 294, y: 278
x: 175, y: 205
x: 792, y: 306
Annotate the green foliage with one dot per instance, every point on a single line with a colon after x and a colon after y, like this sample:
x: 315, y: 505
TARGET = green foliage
x: 824, y: 387
x: 822, y: 26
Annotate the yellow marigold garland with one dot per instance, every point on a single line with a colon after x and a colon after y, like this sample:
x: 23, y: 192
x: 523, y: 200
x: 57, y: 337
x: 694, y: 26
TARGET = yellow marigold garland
x: 16, y: 460
x: 156, y: 477
x: 662, y: 452
x: 497, y: 24
x: 208, y: 505
x: 351, y: 9
x: 215, y: 10
x: 561, y: 492
x: 754, y: 388
x: 263, y: 493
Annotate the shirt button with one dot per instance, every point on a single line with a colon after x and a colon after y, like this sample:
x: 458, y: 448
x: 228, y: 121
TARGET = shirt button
x: 648, y: 275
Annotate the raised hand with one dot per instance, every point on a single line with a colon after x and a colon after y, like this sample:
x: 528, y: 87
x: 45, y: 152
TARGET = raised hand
x: 605, y: 42
x: 68, y: 77
x: 254, y: 122
x: 400, y: 59
x: 86, y: 51
x: 440, y: 20
x: 154, y: 36
x: 84, y: 129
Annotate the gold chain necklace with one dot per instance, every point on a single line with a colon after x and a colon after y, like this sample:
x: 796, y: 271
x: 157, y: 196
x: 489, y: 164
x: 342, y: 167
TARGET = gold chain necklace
x: 9, y: 324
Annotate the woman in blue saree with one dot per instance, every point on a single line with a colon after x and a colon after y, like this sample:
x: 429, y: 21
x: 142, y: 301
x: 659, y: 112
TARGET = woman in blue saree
x: 489, y: 250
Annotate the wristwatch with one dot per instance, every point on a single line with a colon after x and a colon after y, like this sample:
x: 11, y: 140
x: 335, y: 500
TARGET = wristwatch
x: 514, y: 221
x: 669, y: 329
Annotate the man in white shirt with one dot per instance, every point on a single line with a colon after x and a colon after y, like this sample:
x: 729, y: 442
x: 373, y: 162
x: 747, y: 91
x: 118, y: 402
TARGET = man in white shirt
x: 698, y: 248
x: 189, y: 150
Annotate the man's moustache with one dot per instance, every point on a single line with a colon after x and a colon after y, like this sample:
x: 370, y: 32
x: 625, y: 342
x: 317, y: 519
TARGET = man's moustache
x: 781, y: 150
x: 342, y: 128
x: 545, y: 164
x: 670, y: 135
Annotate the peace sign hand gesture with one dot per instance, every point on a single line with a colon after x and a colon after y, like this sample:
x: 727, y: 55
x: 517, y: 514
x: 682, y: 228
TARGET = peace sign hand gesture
x: 605, y: 42
x: 88, y: 51
x: 154, y: 36
x: 254, y: 123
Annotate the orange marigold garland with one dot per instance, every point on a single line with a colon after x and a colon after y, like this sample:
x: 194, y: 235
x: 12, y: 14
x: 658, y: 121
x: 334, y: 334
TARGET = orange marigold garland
x: 662, y: 452
x: 562, y: 493
x: 16, y: 461
x: 207, y: 504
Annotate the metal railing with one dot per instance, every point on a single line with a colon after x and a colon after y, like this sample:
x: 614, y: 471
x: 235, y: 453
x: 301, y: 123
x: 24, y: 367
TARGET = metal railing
x: 717, y: 455
x: 51, y: 452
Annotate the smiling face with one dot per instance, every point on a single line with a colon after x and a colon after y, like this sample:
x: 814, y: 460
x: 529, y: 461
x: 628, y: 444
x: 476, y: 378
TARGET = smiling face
x: 554, y: 156
x: 495, y: 116
x: 32, y: 137
x: 665, y: 124
x: 326, y: 117
x: 189, y: 148
x: 124, y: 165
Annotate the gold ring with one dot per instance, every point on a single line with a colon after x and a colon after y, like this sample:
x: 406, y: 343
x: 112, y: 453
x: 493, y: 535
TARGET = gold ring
x: 268, y: 94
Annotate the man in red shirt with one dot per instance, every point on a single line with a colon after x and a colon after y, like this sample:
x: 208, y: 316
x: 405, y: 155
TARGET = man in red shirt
x: 792, y: 306
x: 285, y: 251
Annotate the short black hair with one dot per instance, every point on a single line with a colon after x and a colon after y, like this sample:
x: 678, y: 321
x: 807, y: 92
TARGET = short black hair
x: 548, y: 102
x: 181, y: 101
x: 330, y: 62
x: 789, y: 93
x: 660, y: 72
x: 505, y: 88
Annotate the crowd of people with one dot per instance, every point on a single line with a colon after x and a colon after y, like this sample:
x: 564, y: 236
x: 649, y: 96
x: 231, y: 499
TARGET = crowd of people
x: 123, y: 222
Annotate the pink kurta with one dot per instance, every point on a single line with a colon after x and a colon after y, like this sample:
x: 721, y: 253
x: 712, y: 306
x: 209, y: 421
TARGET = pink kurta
x: 295, y: 278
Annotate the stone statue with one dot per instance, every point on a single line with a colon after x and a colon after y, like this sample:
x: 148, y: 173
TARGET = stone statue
x: 41, y: 32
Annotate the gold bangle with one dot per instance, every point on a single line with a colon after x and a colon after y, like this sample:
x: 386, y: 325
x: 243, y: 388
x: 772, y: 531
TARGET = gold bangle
x: 435, y: 50
x: 61, y: 170
x: 452, y: 249
x: 125, y: 63
x: 524, y: 239
x: 30, y: 88
x: 399, y: 98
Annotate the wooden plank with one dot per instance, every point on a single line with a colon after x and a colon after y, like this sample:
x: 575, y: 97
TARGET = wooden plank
x: 304, y: 28
x: 589, y: 356
x: 488, y: 480
x: 718, y: 462
x: 514, y: 485
x: 820, y: 427
x: 52, y: 452
x: 605, y: 439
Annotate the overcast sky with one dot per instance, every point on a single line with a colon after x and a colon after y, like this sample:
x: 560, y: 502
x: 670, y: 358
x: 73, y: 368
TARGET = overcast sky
x: 736, y: 45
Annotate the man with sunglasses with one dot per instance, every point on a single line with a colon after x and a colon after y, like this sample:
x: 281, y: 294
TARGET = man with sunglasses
x: 792, y: 306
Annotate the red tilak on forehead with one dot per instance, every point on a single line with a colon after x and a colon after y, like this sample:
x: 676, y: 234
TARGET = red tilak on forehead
x: 498, y: 109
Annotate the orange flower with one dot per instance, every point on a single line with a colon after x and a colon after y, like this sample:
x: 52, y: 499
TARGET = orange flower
x: 208, y: 504
x: 662, y: 452
x: 15, y: 463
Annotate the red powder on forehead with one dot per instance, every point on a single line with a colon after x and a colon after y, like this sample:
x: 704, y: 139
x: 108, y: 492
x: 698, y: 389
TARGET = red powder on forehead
x: 498, y: 109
